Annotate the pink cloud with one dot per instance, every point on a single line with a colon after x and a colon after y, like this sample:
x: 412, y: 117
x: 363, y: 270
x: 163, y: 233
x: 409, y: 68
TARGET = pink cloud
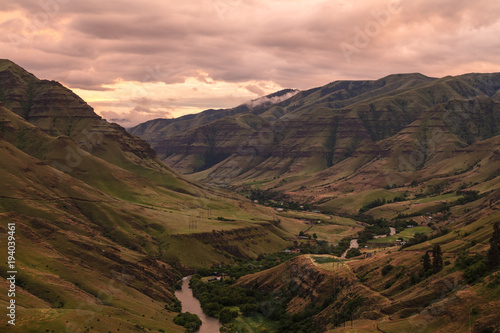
x: 295, y: 44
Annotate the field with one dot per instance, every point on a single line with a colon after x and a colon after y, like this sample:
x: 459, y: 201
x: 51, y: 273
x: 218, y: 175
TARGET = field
x: 331, y: 229
x: 405, y: 235
x: 324, y: 259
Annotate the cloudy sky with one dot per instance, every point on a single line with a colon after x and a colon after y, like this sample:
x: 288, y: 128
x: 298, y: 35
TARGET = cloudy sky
x: 138, y: 60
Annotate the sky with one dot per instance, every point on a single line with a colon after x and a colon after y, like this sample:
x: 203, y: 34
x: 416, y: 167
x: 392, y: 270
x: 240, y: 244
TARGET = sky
x: 139, y: 60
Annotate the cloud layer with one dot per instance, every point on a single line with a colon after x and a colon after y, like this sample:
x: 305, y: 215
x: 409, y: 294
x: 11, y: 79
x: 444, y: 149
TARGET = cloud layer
x: 187, y: 56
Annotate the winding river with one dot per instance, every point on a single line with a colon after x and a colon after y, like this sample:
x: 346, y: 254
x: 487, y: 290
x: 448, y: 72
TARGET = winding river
x: 354, y: 245
x: 191, y: 304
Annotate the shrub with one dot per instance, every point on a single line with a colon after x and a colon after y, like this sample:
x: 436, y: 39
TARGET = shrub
x: 176, y: 306
x: 386, y: 269
x: 248, y: 309
x: 226, y: 315
x: 372, y: 204
x: 495, y: 281
x: 474, y: 267
x: 190, y: 321
x: 212, y: 309
x: 178, y: 285
x: 475, y: 272
x: 353, y: 253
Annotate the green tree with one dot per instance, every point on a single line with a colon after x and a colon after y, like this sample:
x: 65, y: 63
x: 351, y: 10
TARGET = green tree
x: 226, y: 315
x: 212, y: 308
x: 386, y: 269
x: 494, y: 251
x: 190, y: 321
x: 426, y: 261
x: 248, y: 309
x: 353, y: 253
x: 437, y: 259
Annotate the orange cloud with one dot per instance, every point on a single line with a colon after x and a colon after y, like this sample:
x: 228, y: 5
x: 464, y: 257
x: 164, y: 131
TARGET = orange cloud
x: 240, y: 45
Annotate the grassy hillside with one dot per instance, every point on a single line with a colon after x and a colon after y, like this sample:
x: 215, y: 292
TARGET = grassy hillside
x: 398, y: 150
x: 105, y: 229
x: 59, y: 112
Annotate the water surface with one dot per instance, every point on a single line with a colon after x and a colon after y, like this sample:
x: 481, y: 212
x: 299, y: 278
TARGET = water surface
x: 191, y: 304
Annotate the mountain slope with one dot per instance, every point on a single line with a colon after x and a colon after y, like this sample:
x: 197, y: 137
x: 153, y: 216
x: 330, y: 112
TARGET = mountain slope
x: 71, y: 255
x: 400, y: 150
x: 58, y: 111
x: 102, y: 225
x: 314, y: 129
x: 104, y: 228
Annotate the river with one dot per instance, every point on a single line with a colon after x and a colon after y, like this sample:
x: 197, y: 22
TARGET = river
x: 354, y: 245
x: 191, y: 304
x: 393, y: 232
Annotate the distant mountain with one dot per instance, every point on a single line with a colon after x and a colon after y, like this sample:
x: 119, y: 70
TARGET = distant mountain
x: 256, y: 106
x: 301, y: 130
x: 319, y: 128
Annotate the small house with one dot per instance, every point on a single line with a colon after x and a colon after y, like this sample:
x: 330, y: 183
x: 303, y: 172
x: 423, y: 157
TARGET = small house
x: 214, y: 278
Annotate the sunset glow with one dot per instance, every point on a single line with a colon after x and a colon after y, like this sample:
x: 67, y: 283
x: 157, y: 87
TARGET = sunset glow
x: 137, y: 61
